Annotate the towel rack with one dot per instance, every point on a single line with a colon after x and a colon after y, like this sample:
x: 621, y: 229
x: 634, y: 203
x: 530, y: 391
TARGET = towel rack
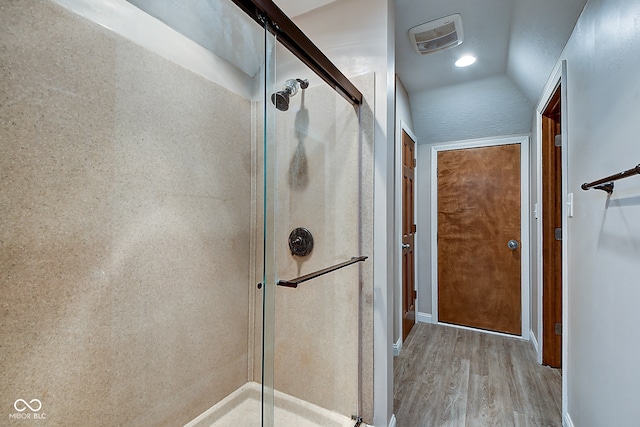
x: 606, y: 184
x: 293, y: 283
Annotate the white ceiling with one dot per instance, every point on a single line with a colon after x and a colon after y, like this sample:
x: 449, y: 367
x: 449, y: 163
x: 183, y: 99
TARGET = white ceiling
x: 486, y: 36
x: 521, y: 39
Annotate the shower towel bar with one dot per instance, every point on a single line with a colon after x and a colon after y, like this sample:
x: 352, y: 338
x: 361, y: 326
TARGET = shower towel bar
x: 293, y: 283
x: 606, y: 184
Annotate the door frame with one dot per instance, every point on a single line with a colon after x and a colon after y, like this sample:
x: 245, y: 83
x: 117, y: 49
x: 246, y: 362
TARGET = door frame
x: 558, y: 77
x: 397, y: 344
x: 549, y: 214
x: 523, y: 140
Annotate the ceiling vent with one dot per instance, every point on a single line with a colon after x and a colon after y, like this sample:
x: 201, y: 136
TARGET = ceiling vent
x: 436, y: 35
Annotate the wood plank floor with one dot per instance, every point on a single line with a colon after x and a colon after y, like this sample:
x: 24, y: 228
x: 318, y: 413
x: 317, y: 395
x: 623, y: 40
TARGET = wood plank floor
x: 447, y: 376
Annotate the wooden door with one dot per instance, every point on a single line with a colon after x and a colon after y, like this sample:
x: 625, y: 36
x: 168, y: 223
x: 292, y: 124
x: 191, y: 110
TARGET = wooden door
x: 408, y: 239
x: 551, y: 244
x: 479, y: 283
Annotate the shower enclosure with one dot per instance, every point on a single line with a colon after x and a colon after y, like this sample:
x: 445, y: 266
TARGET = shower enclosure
x: 157, y: 212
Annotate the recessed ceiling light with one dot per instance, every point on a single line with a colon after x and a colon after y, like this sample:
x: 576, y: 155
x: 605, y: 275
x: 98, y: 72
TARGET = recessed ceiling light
x: 465, y: 61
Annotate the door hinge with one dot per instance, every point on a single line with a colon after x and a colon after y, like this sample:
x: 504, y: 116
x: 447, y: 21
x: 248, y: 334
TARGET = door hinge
x: 415, y: 163
x: 414, y: 228
x: 557, y: 140
x: 558, y: 233
x: 558, y: 328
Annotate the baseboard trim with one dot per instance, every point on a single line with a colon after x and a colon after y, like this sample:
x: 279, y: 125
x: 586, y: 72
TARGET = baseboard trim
x: 567, y: 421
x: 424, y: 317
x: 397, y: 347
x: 392, y: 422
x: 534, y: 341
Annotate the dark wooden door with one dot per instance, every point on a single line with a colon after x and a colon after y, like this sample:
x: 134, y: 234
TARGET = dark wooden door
x: 479, y: 276
x: 551, y: 244
x: 408, y: 238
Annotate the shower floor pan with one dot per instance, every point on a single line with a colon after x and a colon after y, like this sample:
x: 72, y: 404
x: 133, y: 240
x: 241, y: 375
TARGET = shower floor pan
x: 243, y: 408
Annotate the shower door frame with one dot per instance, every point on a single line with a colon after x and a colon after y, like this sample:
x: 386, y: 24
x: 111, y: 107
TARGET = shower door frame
x: 270, y: 16
x: 269, y: 278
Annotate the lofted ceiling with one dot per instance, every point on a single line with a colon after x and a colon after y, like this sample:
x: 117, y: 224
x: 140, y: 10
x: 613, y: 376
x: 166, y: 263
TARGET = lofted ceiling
x: 517, y: 43
x: 520, y: 39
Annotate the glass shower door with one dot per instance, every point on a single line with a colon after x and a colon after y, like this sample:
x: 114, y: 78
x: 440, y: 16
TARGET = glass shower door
x: 312, y: 213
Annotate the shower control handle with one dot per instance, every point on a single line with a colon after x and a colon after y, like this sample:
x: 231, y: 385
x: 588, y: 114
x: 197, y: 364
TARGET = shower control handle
x: 300, y: 242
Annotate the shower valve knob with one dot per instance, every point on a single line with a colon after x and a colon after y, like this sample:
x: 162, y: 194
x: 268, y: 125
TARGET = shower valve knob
x: 300, y: 242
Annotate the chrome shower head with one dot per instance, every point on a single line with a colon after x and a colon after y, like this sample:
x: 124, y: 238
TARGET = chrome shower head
x: 281, y: 99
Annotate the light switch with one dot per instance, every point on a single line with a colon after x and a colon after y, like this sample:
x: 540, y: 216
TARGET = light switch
x: 570, y: 205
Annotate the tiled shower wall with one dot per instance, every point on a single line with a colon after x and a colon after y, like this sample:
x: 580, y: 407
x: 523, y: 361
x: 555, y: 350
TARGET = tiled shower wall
x: 125, y: 227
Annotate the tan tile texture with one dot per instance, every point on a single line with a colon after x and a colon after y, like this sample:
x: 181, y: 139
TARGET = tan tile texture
x: 125, y: 226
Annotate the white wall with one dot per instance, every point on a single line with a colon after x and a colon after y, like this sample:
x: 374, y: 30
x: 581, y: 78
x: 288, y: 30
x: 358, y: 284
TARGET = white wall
x: 483, y: 108
x: 601, y: 367
x: 423, y: 222
x: 403, y: 107
x: 358, y: 37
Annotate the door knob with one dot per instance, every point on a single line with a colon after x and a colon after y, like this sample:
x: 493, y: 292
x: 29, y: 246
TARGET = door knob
x: 513, y: 244
x: 406, y: 246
